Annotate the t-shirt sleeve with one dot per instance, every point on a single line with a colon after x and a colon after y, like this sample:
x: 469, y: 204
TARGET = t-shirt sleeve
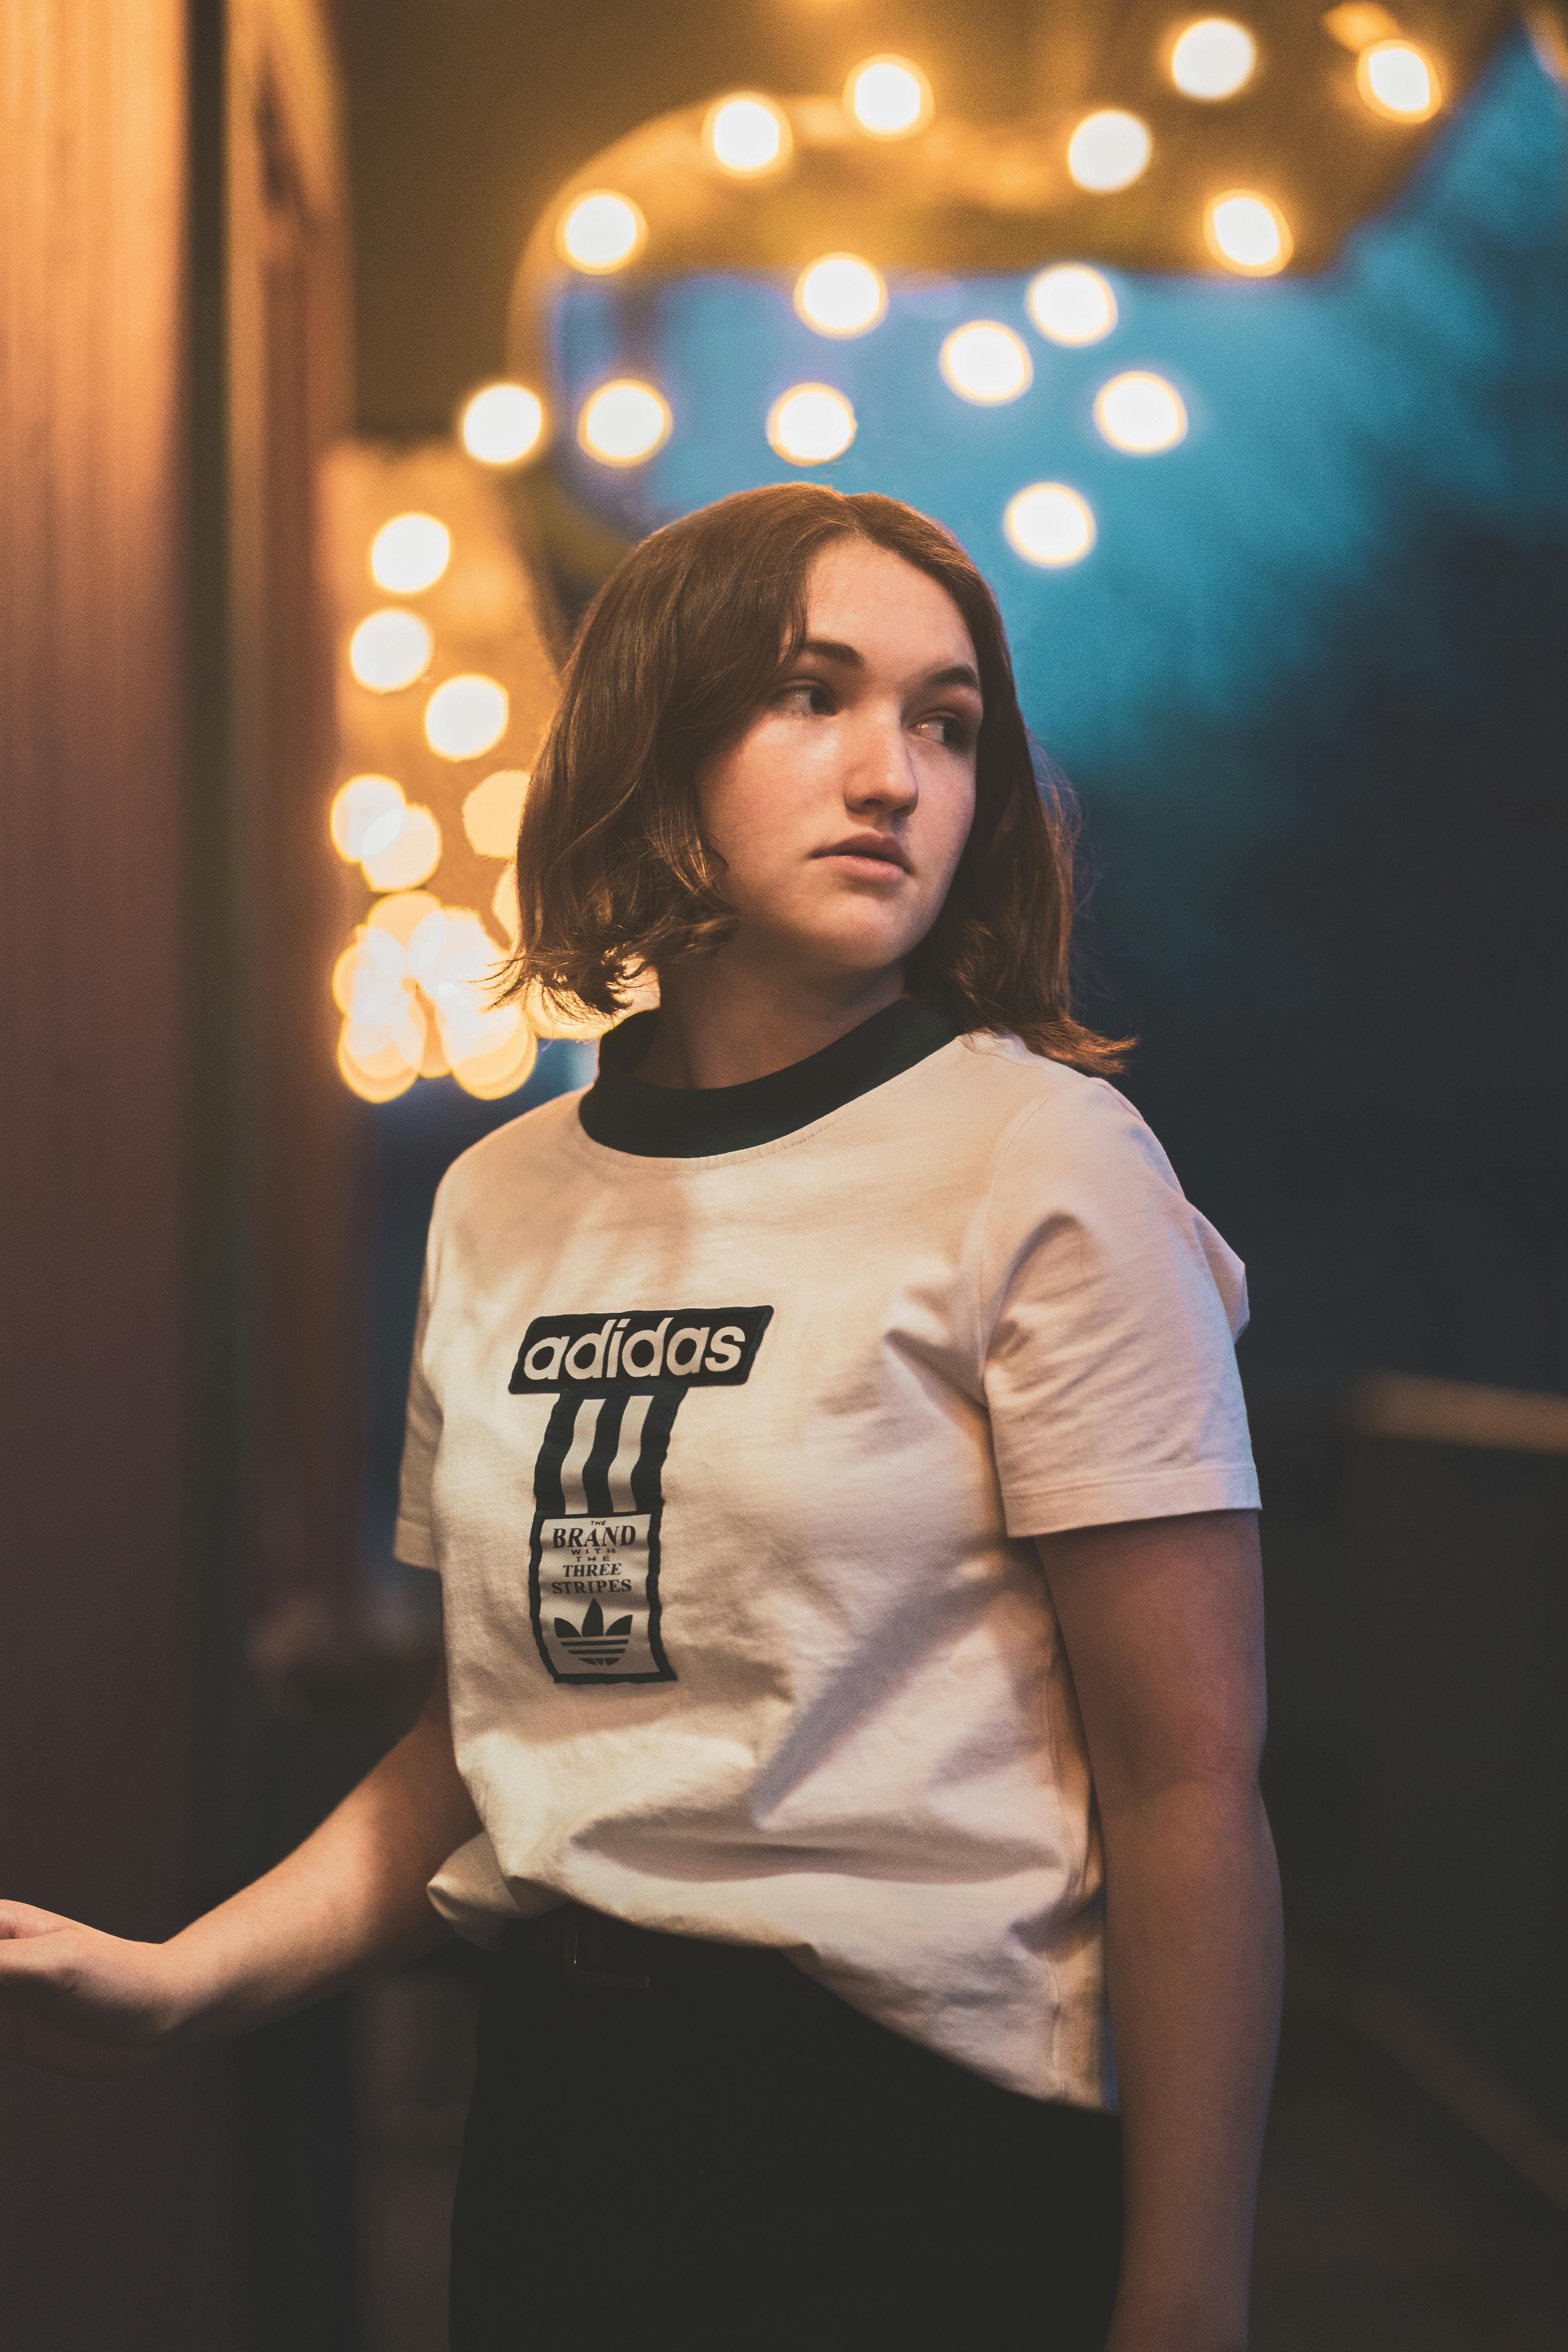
x: 412, y: 1540
x: 1112, y: 1308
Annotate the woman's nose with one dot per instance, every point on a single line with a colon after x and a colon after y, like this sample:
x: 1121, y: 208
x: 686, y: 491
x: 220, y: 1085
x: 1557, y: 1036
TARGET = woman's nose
x: 882, y: 775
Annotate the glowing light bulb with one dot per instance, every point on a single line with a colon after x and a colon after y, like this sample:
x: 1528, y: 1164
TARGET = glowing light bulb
x: 362, y: 803
x: 502, y: 424
x: 810, y: 424
x: 1248, y: 234
x: 503, y: 906
x: 888, y: 98
x: 841, y: 295
x: 1049, y: 524
x: 465, y: 716
x: 1109, y: 150
x: 747, y: 134
x: 1071, y: 303
x: 601, y: 232
x: 1212, y: 59
x: 400, y: 916
x: 624, y: 423
x: 1395, y: 79
x: 369, y: 979
x: 390, y: 649
x: 493, y: 811
x: 503, y: 1070
x: 985, y: 362
x: 1140, y: 413
x: 409, y: 554
x: 408, y: 858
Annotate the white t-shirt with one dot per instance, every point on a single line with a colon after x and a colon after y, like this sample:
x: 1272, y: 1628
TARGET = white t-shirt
x: 730, y: 1465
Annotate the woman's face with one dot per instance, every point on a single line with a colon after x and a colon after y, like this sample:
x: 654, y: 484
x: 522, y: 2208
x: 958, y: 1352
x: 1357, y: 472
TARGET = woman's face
x: 842, y: 807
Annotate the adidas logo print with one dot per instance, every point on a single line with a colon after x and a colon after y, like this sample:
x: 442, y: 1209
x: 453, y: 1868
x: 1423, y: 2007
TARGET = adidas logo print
x: 595, y: 1643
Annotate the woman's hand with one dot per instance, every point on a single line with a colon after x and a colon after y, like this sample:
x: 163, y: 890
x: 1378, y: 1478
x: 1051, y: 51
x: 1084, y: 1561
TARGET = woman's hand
x: 350, y: 1899
x: 78, y: 2001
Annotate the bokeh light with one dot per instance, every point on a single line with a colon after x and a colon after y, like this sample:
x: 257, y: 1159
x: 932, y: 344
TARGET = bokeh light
x: 502, y: 424
x: 747, y: 134
x: 409, y: 857
x: 465, y: 716
x: 1110, y: 149
x: 601, y: 231
x: 364, y: 803
x: 1049, y: 524
x: 390, y: 649
x: 888, y: 98
x: 1141, y: 412
x: 503, y: 1070
x: 1212, y: 59
x: 1071, y: 303
x: 400, y: 916
x: 1247, y: 232
x: 624, y: 423
x: 503, y: 907
x: 409, y: 554
x: 493, y: 811
x: 810, y: 424
x: 1395, y: 79
x: 380, y: 1077
x: 986, y: 362
x: 841, y: 295
x: 370, y: 978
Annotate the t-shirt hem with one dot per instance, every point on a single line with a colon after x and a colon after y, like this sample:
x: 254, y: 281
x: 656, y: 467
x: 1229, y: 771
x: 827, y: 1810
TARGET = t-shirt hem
x: 1160, y: 1494
x: 411, y: 1544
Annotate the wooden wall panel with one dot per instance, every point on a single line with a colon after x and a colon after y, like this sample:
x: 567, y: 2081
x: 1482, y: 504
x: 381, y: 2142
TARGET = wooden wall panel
x: 118, y: 2202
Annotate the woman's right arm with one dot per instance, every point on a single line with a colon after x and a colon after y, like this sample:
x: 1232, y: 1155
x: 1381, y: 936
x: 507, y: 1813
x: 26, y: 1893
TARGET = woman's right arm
x: 352, y: 1896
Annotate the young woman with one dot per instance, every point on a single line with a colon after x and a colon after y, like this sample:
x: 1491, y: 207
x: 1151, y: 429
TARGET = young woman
x: 828, y: 1432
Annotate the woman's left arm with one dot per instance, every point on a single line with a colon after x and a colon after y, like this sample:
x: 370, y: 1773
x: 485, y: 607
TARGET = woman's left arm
x: 1162, y: 1622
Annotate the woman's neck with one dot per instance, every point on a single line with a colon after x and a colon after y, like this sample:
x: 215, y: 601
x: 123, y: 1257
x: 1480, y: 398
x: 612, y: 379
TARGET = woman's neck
x: 723, y: 1024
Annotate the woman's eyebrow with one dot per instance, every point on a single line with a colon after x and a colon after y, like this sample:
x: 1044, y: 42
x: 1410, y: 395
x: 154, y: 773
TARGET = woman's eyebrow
x: 830, y: 649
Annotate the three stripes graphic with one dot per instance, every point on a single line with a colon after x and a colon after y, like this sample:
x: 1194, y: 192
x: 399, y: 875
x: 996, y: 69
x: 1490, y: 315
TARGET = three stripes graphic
x: 601, y: 1458
x: 605, y: 1454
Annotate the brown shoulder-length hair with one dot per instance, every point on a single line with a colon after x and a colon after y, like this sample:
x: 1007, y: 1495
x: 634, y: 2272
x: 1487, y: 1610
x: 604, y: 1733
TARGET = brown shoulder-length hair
x: 680, y: 645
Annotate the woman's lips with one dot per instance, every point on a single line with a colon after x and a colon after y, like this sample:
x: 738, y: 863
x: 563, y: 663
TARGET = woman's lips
x: 866, y: 855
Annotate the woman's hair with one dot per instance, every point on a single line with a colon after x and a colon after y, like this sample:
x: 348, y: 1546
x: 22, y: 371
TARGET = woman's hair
x: 677, y: 650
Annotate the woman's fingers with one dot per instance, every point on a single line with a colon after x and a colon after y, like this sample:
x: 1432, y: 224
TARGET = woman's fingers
x: 73, y: 1999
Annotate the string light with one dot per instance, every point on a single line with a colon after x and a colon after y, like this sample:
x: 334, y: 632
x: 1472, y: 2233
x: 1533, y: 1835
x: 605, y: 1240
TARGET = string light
x: 493, y: 811
x: 409, y: 856
x: 747, y: 134
x: 888, y: 96
x: 624, y: 423
x: 1109, y: 150
x: 985, y: 362
x: 841, y: 295
x: 810, y: 424
x: 409, y: 554
x: 1212, y: 59
x: 363, y: 804
x: 1140, y: 413
x: 601, y: 232
x: 390, y: 649
x: 1395, y: 79
x: 1247, y: 232
x: 1049, y: 524
x: 503, y: 1070
x: 502, y: 424
x: 1071, y: 303
x: 465, y: 716
x: 503, y: 907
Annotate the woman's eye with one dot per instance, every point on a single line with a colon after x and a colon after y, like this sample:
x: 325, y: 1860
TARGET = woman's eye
x: 950, y: 729
x: 807, y: 693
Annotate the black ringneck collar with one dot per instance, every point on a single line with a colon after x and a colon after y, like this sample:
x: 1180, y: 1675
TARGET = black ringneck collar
x: 627, y: 1114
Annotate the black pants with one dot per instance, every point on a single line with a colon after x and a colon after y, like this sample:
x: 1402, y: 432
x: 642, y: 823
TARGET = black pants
x: 748, y: 2164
